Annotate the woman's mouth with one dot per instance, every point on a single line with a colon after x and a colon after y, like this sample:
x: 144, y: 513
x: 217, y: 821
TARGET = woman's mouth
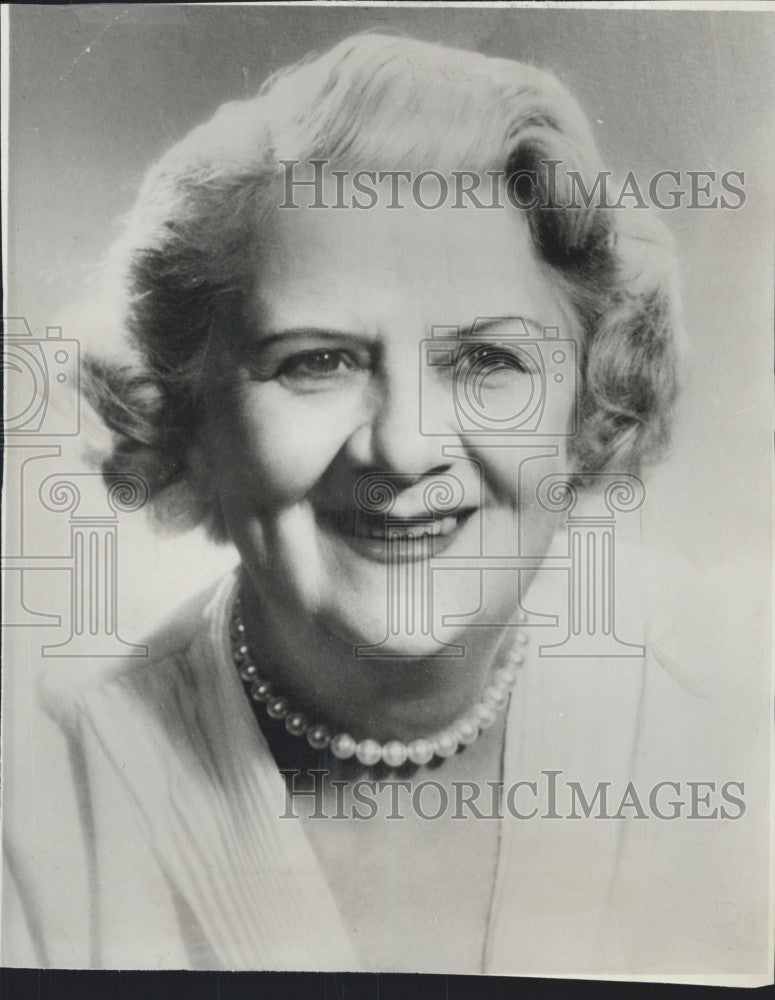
x: 387, y: 538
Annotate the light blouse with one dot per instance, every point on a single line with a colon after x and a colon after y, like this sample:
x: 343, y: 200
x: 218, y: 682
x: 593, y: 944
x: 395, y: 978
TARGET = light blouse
x: 158, y: 843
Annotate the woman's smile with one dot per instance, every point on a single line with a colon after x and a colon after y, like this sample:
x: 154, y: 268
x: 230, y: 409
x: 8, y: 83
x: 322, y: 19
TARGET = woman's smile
x: 392, y: 538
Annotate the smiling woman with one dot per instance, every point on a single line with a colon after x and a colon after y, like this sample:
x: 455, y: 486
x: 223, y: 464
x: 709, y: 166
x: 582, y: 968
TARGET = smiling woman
x: 389, y: 412
x: 303, y: 412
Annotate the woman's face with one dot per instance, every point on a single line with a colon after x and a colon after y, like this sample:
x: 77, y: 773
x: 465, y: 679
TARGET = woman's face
x: 335, y: 379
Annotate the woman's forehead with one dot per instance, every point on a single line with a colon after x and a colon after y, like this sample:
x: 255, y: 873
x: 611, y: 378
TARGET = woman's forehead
x: 452, y: 262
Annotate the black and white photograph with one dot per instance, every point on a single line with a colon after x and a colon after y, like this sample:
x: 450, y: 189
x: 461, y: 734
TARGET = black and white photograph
x: 387, y: 554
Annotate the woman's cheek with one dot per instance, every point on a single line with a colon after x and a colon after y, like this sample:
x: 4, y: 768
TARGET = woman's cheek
x: 512, y: 477
x: 289, y: 442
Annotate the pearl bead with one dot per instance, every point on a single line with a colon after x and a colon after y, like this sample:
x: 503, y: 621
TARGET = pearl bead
x: 394, y: 753
x: 248, y: 671
x: 343, y: 746
x: 261, y: 690
x: 496, y: 697
x: 446, y: 744
x: 368, y: 752
x: 296, y: 723
x: 241, y: 651
x: 420, y: 751
x: 520, y: 637
x: 467, y: 731
x: 505, y: 678
x: 485, y: 716
x: 318, y: 737
x: 515, y: 658
x: 277, y: 708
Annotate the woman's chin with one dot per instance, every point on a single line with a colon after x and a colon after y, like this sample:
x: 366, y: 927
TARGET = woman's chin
x: 371, y: 617
x: 369, y: 635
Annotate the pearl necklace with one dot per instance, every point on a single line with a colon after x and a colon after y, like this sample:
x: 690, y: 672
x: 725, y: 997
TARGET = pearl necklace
x: 369, y: 752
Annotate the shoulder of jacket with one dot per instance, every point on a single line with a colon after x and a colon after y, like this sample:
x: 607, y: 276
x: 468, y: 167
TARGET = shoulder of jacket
x: 64, y: 688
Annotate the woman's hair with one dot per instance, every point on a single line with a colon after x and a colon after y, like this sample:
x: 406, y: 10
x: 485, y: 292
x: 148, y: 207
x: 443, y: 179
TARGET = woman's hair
x: 189, y: 243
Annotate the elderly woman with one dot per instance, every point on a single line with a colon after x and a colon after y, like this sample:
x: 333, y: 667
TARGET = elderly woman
x: 340, y: 300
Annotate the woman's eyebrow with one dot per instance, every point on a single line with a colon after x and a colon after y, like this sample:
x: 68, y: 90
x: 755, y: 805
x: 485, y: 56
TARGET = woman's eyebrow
x: 273, y: 335
x: 489, y: 324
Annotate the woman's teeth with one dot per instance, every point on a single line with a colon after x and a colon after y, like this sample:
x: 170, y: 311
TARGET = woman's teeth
x: 438, y: 527
x: 359, y: 524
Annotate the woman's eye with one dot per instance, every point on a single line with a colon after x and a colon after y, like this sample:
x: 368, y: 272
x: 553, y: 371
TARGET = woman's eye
x: 318, y: 366
x: 491, y: 358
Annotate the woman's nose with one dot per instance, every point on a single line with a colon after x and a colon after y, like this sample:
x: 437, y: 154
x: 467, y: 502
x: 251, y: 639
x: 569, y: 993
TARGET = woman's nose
x: 392, y: 438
